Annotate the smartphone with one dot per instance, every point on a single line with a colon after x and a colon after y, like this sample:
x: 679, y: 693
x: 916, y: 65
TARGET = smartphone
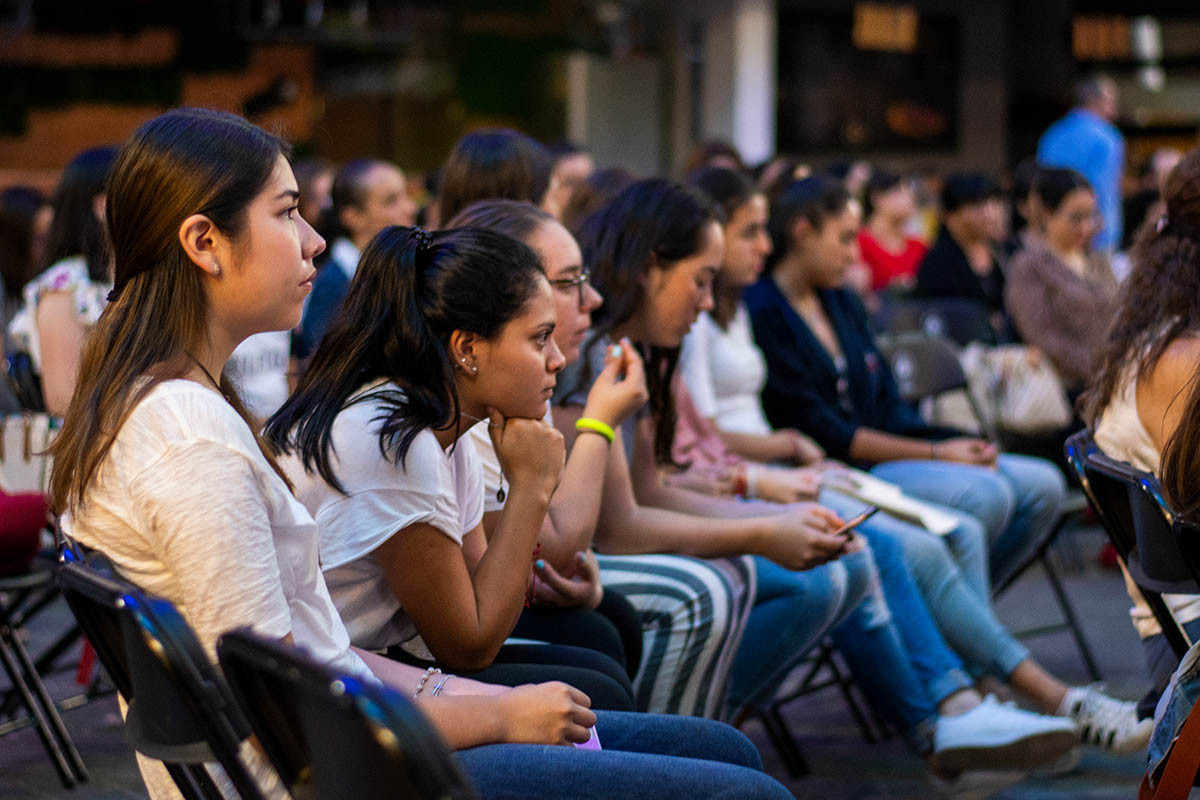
x: 849, y: 527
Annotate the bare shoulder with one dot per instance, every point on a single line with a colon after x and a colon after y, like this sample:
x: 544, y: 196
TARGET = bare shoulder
x: 1162, y: 393
x: 1176, y: 367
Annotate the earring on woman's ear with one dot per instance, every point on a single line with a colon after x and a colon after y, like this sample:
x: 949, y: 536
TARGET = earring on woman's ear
x: 216, y: 268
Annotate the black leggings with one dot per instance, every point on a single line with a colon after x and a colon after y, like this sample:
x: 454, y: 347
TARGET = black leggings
x: 613, y: 629
x: 595, y: 674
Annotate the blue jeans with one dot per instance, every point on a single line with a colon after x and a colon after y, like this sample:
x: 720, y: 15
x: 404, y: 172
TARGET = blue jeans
x: 950, y: 572
x: 1161, y: 663
x: 792, y: 611
x: 650, y: 756
x: 1017, y: 503
x: 1173, y: 708
x: 892, y: 646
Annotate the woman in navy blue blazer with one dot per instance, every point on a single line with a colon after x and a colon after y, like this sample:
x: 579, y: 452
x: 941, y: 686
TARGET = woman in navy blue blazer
x: 826, y: 378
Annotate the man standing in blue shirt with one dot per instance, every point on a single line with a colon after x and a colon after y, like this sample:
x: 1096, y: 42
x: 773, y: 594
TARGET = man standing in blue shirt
x: 1086, y: 141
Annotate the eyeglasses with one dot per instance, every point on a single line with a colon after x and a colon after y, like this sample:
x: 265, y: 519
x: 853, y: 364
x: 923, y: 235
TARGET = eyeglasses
x: 579, y: 282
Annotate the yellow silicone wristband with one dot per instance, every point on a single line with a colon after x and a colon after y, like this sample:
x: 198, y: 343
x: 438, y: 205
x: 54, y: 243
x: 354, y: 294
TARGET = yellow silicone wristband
x: 595, y: 426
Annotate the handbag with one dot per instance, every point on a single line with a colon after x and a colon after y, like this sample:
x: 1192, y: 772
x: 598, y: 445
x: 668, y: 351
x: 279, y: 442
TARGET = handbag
x: 24, y: 462
x: 1014, y: 394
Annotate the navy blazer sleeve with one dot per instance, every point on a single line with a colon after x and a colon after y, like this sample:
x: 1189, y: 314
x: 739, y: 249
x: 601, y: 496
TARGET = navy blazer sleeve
x: 800, y: 391
x: 329, y: 290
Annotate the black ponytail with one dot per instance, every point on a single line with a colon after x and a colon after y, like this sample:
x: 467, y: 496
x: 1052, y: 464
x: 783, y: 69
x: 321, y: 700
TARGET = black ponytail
x: 411, y: 291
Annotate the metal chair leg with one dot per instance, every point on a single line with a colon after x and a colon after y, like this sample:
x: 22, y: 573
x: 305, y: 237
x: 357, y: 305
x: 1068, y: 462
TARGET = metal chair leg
x: 1072, y: 620
x: 785, y: 743
x: 51, y: 711
x: 844, y: 683
x: 33, y: 708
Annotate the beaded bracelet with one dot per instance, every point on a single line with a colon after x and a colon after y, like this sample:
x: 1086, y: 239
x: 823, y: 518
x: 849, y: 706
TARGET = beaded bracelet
x: 739, y: 481
x: 587, y: 424
x: 438, y: 689
x: 429, y: 673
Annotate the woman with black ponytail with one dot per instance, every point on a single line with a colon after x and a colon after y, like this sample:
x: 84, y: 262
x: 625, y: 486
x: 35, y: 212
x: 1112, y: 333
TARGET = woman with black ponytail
x: 440, y: 331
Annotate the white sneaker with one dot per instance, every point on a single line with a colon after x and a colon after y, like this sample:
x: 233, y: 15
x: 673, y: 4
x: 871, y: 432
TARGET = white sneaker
x: 1104, y: 722
x: 993, y: 736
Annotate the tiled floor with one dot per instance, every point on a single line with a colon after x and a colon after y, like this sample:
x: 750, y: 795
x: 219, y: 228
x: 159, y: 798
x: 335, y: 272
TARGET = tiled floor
x: 843, y: 765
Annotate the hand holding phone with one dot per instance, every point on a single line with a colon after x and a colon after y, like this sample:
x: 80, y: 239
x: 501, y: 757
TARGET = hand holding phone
x: 847, y: 530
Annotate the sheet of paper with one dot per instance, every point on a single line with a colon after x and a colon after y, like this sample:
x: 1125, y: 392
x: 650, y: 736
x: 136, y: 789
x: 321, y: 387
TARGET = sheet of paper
x: 889, y: 497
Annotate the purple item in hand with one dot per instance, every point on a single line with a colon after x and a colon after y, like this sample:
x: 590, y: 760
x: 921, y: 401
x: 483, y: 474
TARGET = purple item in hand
x: 593, y: 742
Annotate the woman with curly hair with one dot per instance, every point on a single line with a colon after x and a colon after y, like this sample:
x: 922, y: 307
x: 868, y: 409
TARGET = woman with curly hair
x: 1142, y: 377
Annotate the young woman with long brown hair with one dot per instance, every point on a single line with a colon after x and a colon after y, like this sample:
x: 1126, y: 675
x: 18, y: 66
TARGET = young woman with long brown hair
x: 1143, y: 376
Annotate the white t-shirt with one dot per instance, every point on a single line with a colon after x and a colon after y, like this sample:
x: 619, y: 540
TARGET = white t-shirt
x: 186, y: 506
x: 725, y: 372
x: 435, y: 487
x: 258, y: 368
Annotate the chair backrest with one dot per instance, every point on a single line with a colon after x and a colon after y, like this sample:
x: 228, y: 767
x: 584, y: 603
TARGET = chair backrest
x: 24, y: 382
x: 961, y: 321
x: 179, y: 709
x: 333, y: 736
x: 924, y: 366
x: 1131, y: 499
x: 1187, y: 538
x: 1117, y: 523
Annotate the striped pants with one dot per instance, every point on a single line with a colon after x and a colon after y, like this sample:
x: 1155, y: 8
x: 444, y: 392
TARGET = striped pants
x: 693, y: 613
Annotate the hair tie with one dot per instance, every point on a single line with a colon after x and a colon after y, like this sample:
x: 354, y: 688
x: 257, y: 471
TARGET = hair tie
x: 424, y: 239
x: 1177, y: 227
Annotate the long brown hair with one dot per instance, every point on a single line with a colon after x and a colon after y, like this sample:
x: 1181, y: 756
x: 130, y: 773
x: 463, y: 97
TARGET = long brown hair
x: 653, y: 221
x: 1160, y: 300
x: 184, y: 162
x: 1179, y: 468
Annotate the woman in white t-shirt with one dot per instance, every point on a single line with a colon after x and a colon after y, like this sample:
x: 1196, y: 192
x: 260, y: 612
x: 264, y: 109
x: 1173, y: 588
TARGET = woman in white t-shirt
x: 64, y: 301
x: 156, y: 467
x: 372, y: 445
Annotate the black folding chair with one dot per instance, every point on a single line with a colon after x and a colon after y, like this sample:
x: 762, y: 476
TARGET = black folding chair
x: 1187, y: 538
x: 23, y: 381
x: 180, y: 711
x: 821, y: 671
x: 1126, y: 502
x: 961, y: 321
x: 333, y: 736
x: 928, y: 366
x: 22, y: 596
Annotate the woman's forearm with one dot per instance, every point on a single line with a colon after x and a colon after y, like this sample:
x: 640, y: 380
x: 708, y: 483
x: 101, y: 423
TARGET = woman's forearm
x: 875, y: 446
x: 575, y: 506
x: 502, y: 575
x: 759, y: 447
x: 659, y: 530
